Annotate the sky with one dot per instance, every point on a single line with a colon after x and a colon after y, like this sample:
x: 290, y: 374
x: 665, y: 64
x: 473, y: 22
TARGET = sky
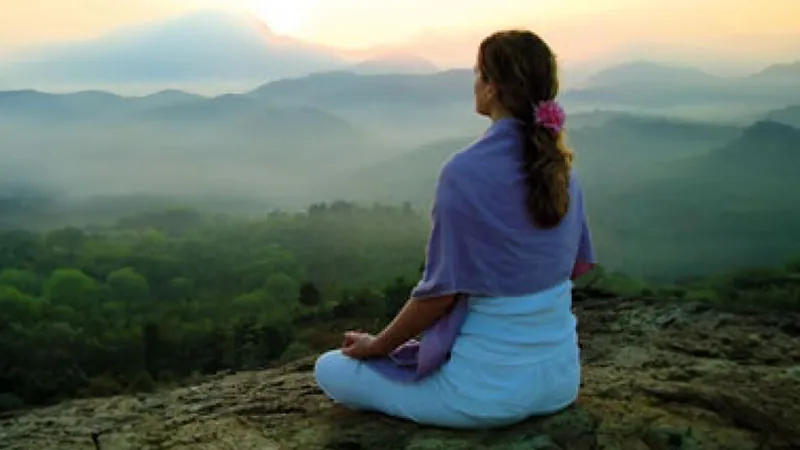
x: 446, y: 30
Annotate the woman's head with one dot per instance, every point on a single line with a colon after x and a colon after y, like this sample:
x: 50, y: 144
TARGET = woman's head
x: 516, y: 73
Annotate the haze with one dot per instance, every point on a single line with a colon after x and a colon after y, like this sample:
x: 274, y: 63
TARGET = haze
x: 197, y: 187
x: 112, y: 107
x: 708, y: 33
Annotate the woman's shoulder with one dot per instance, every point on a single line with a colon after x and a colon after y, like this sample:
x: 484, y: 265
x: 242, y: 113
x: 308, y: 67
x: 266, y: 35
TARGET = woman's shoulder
x: 461, y: 165
x: 575, y: 180
x: 494, y: 142
x: 460, y: 158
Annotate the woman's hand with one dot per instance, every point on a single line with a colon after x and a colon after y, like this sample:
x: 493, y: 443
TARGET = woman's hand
x: 415, y: 317
x: 359, y: 345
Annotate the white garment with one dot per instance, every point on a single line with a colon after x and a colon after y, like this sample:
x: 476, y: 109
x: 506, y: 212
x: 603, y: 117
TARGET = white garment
x: 515, y: 357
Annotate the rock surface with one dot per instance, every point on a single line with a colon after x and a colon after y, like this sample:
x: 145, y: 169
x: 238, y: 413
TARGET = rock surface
x: 659, y: 375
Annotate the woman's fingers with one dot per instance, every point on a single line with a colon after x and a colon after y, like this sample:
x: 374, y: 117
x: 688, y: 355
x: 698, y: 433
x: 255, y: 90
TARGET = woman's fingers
x: 350, y: 337
x: 351, y: 350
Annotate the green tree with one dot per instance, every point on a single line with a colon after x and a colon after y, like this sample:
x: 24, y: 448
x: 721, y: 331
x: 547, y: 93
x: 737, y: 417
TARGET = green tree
x: 397, y: 294
x: 142, y: 382
x: 69, y: 240
x: 361, y: 303
x: 78, y: 310
x: 19, y: 248
x: 71, y: 287
x: 180, y: 288
x: 151, y: 343
x: 24, y: 281
x: 16, y: 307
x: 281, y: 287
x: 309, y: 294
x: 127, y: 285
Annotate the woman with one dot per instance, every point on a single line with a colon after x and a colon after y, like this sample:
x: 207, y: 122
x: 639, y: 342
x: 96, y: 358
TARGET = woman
x: 508, y: 236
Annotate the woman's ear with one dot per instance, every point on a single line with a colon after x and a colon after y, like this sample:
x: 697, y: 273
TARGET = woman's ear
x: 491, y: 93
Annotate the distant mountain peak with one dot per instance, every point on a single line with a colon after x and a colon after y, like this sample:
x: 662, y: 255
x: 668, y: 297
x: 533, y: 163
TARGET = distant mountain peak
x: 769, y: 128
x: 772, y: 143
x: 175, y: 92
x: 395, y: 63
x: 208, y: 18
x: 19, y: 93
x: 784, y: 70
x: 789, y: 115
x: 647, y: 72
x: 643, y: 64
x: 201, y: 47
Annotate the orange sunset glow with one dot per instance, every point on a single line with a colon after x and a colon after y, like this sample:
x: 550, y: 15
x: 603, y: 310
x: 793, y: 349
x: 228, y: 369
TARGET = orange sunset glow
x: 737, y: 27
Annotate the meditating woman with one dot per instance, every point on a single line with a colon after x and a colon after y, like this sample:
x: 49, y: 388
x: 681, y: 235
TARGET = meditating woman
x: 509, y: 234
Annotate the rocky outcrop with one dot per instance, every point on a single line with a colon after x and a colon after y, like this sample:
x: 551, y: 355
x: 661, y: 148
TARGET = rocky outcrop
x: 659, y: 375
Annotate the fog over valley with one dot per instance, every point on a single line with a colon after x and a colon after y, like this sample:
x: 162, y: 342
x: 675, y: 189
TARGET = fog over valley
x: 216, y: 216
x: 650, y: 138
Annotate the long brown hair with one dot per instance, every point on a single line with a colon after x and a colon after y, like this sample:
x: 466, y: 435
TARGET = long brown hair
x: 523, y: 69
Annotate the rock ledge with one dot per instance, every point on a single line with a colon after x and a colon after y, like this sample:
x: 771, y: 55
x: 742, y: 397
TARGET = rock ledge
x: 658, y: 376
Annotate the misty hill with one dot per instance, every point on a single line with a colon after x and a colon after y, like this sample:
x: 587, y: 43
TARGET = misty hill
x: 780, y: 73
x: 646, y: 84
x: 789, y: 115
x: 635, y: 84
x: 767, y: 146
x: 620, y: 148
x: 345, y: 89
x: 618, y: 151
x: 410, y: 177
x: 37, y: 106
x: 447, y: 95
x: 165, y: 106
x: 435, y: 106
x: 203, y: 46
x: 667, y: 198
x: 223, y: 107
x: 169, y: 143
x: 735, y: 206
x: 341, y: 135
x: 650, y: 73
x: 167, y: 97
x: 394, y: 64
x: 333, y: 91
x: 408, y: 110
x: 756, y: 170
x: 596, y: 118
x: 404, y: 110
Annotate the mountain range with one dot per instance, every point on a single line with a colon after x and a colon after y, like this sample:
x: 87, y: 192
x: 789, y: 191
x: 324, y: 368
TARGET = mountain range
x: 734, y: 206
x: 637, y: 72
x: 654, y: 178
x: 228, y: 48
x: 780, y: 73
x: 789, y: 115
x: 203, y: 47
x: 659, y: 192
x: 651, y: 86
x: 440, y: 102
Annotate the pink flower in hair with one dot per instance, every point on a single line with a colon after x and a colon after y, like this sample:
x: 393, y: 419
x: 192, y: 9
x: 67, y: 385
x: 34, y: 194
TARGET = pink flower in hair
x: 550, y: 115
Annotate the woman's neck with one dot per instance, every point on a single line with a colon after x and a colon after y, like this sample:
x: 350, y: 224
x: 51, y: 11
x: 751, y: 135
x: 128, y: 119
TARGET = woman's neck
x: 499, y: 114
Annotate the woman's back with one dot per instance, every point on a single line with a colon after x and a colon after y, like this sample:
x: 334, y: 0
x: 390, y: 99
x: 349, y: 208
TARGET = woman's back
x: 507, y: 253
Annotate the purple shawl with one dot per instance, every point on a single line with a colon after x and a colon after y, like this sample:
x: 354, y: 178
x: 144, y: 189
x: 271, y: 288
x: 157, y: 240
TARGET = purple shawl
x: 483, y: 243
